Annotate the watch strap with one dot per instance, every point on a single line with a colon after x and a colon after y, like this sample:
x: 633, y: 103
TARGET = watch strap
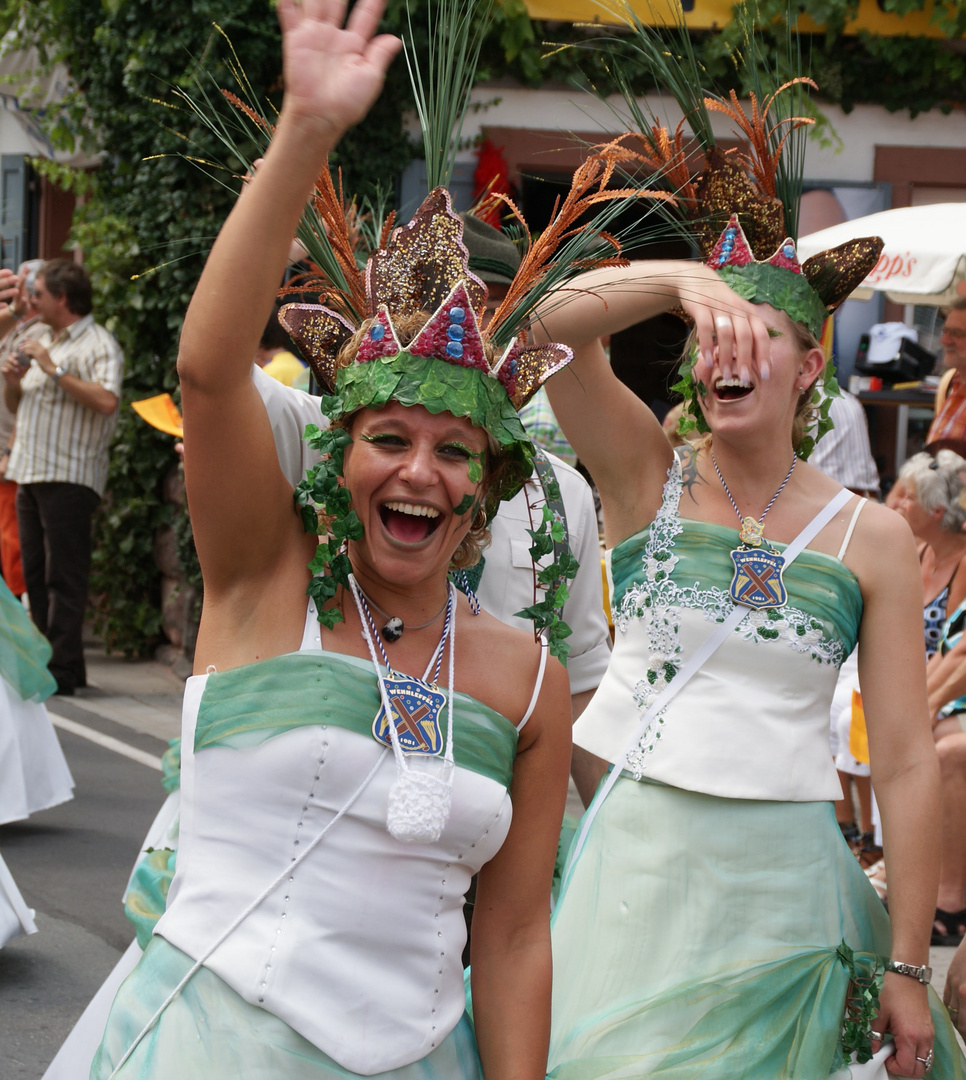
x: 921, y: 972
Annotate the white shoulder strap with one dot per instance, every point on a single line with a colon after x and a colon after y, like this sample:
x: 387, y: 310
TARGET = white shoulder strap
x: 544, y: 651
x: 849, y: 530
x: 692, y: 665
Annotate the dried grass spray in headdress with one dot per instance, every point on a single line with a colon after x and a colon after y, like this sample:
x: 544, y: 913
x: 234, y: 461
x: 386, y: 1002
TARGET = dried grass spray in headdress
x: 741, y: 207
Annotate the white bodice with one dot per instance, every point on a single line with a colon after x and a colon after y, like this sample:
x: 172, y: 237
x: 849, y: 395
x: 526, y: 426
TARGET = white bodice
x: 752, y: 723
x: 359, y: 948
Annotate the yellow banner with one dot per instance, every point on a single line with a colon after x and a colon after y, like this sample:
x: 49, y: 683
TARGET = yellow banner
x: 708, y: 14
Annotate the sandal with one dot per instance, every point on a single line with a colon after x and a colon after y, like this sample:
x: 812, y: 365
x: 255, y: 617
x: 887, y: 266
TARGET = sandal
x: 953, y: 924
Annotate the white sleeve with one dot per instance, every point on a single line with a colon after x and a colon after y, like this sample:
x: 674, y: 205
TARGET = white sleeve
x: 289, y: 411
x: 507, y: 583
x: 584, y: 613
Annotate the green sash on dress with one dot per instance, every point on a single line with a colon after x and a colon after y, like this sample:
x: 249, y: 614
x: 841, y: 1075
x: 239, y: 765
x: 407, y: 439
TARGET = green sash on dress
x: 818, y: 584
x: 245, y: 706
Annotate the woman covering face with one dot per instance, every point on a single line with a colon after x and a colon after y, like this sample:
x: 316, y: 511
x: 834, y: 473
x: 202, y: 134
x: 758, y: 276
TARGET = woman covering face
x: 713, y: 923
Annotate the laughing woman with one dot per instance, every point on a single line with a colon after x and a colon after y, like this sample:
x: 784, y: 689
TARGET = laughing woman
x: 713, y: 923
x: 314, y: 925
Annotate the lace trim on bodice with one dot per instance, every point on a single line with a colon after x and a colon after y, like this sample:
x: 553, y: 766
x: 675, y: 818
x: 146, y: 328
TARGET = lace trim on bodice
x: 657, y: 602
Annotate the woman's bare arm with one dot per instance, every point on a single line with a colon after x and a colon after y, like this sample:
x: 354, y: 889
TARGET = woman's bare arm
x: 510, y: 949
x: 240, y: 502
x: 612, y: 431
x: 905, y: 770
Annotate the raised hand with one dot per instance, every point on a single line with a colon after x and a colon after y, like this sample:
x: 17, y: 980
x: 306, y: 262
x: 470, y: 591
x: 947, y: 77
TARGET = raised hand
x: 723, y: 321
x: 333, y: 74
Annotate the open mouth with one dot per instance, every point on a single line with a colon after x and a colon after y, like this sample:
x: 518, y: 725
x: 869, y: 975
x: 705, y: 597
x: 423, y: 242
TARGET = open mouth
x: 408, y: 522
x: 731, y: 389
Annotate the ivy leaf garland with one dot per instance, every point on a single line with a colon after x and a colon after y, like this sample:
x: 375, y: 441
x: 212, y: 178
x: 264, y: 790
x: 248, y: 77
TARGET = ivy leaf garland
x: 861, y: 1005
x: 324, y: 506
x: 549, y: 538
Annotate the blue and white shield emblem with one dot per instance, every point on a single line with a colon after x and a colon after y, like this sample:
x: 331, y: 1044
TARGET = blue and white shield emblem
x: 416, y: 706
x: 757, y: 582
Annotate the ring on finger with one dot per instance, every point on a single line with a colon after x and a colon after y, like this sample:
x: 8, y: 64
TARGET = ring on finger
x: 876, y: 1035
x: 926, y: 1061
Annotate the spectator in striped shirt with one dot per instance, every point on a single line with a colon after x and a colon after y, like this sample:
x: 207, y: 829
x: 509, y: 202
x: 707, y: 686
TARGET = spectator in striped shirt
x: 64, y: 387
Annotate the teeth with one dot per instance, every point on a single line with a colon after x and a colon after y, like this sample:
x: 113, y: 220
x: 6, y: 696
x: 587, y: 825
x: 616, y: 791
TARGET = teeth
x: 411, y: 508
x: 732, y: 382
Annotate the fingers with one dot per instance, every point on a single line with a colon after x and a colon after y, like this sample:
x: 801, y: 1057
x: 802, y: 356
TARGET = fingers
x: 913, y: 1056
x: 288, y: 15
x: 365, y: 18
x: 382, y: 50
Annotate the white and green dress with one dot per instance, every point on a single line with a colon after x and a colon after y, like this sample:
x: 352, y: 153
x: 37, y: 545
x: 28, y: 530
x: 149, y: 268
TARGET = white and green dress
x: 351, y: 965
x: 700, y: 932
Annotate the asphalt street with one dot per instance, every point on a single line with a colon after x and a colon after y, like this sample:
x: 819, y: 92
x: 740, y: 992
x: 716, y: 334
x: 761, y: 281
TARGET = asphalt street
x: 72, y: 862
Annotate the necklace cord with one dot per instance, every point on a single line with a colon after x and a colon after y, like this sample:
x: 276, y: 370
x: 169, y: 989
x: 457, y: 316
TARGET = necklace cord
x: 372, y: 639
x: 405, y: 625
x: 781, y: 488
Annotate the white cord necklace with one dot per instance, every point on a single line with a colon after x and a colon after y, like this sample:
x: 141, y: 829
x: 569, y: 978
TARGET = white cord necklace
x: 409, y: 721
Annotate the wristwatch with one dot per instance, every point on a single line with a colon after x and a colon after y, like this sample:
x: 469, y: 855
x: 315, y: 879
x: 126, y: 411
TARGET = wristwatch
x: 923, y: 974
x: 59, y: 373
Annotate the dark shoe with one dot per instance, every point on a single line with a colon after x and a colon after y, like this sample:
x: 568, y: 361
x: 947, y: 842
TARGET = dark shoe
x: 953, y: 925
x: 63, y: 690
x: 850, y: 831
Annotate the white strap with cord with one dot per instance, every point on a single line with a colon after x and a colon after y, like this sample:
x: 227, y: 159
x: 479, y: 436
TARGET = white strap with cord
x: 544, y: 652
x: 689, y: 668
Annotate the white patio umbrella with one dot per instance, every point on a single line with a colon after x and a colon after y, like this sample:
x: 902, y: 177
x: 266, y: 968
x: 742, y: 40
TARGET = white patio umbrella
x: 924, y: 257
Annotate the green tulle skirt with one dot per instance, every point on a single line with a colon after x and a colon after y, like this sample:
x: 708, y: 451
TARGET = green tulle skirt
x: 209, y: 1031
x: 699, y: 937
x: 24, y: 651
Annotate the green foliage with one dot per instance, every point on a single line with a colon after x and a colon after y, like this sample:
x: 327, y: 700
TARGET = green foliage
x: 861, y: 1003
x: 898, y: 73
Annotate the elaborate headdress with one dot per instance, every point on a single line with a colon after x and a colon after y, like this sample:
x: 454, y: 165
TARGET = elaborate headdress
x: 452, y: 364
x: 741, y: 208
x: 456, y: 362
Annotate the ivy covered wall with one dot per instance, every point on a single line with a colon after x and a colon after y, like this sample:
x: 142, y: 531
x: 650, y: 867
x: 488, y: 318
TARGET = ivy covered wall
x: 146, y: 215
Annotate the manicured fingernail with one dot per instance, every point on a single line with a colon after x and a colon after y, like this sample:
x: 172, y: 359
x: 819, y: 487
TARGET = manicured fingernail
x: 765, y: 370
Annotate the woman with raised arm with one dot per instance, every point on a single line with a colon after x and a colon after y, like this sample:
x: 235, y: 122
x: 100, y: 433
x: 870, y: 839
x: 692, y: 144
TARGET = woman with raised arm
x: 349, y: 760
x: 713, y: 923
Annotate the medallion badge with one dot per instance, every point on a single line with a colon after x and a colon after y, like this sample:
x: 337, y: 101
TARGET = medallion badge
x: 416, y: 707
x: 757, y: 581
